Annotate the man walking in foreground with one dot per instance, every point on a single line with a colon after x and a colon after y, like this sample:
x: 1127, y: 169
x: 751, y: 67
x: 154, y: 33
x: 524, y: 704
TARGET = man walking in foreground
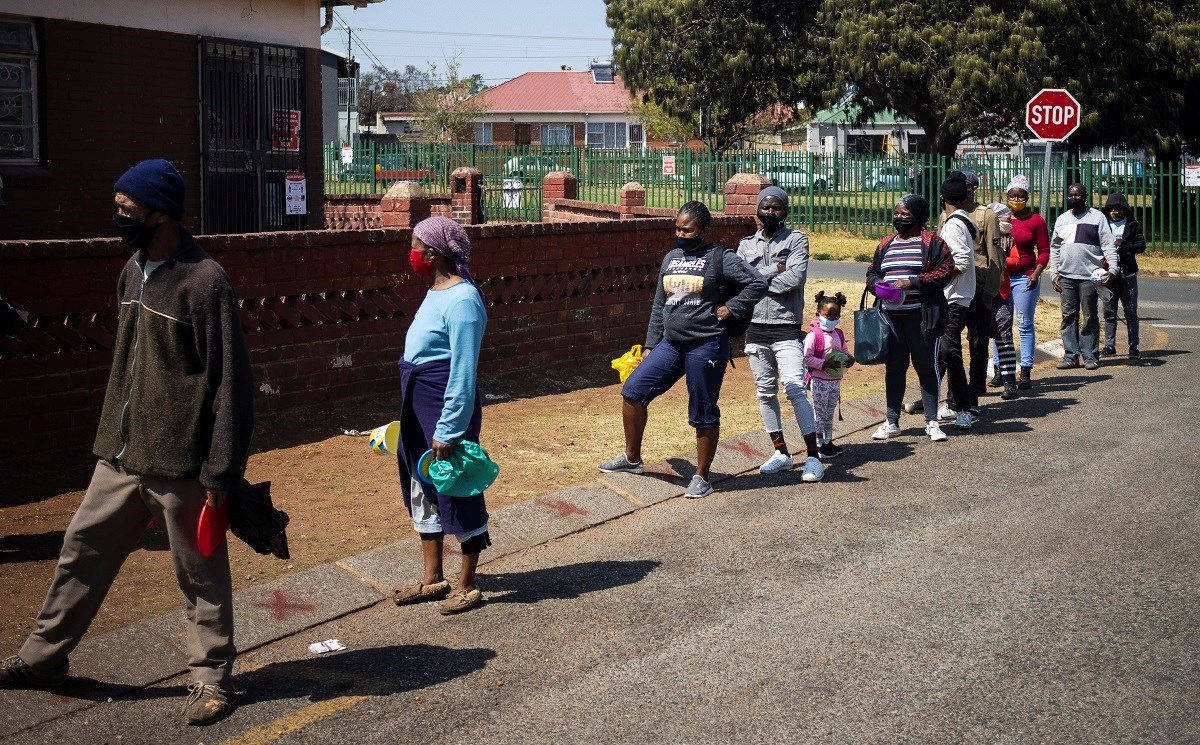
x: 174, y: 434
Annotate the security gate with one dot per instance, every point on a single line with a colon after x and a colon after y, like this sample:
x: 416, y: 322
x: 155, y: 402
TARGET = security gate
x: 252, y: 106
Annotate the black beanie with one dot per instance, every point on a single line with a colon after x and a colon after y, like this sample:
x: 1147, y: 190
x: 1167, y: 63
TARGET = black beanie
x: 954, y: 189
x: 156, y: 184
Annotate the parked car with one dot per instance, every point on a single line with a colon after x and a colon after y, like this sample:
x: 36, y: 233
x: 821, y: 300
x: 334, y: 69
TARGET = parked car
x: 527, y: 167
x: 795, y: 177
x: 887, y: 178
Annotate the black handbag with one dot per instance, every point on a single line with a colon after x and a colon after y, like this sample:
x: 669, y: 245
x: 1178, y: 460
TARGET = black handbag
x: 871, y: 330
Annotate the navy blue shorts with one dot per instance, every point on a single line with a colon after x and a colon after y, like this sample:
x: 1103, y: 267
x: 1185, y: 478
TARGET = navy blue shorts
x: 703, y: 362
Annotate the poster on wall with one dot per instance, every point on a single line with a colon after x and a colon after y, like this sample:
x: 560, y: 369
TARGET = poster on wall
x: 1191, y: 175
x: 295, y: 194
x: 286, y: 132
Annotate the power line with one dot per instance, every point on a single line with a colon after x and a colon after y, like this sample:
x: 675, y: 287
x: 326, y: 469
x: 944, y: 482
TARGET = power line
x: 493, y: 36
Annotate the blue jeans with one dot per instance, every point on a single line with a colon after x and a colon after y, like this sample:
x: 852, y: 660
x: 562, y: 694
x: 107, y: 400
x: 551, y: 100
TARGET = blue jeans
x: 1025, y: 302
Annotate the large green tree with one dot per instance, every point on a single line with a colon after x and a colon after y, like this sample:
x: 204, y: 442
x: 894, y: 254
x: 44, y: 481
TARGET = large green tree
x: 716, y: 61
x: 957, y: 70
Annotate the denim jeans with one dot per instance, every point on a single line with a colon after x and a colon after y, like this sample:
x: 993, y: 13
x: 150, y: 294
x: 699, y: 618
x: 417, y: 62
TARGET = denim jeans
x: 1025, y: 302
x: 783, y: 362
x: 1129, y: 300
x: 1080, y: 296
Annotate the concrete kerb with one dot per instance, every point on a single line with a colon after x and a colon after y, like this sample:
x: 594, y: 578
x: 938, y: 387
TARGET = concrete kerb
x: 154, y: 650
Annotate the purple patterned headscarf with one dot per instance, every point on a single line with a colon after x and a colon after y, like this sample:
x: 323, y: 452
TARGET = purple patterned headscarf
x: 449, y: 239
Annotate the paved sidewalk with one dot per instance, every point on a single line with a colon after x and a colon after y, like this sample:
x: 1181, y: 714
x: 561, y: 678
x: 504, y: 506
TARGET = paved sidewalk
x: 155, y: 650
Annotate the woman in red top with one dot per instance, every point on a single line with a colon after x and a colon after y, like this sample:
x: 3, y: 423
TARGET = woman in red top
x: 1027, y: 259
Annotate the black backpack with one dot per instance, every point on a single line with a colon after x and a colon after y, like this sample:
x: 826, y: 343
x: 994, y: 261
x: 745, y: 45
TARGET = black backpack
x: 734, y: 326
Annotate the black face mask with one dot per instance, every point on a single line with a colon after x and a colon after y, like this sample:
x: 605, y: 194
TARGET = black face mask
x: 687, y: 244
x: 904, y: 224
x: 770, y: 223
x: 134, y: 230
x: 1075, y: 204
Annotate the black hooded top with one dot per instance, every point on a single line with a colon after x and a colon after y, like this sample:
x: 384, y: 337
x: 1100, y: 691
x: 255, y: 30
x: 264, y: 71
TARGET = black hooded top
x: 1133, y: 242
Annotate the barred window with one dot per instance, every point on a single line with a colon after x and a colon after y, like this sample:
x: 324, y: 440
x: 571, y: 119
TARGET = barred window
x: 483, y: 133
x: 18, y: 92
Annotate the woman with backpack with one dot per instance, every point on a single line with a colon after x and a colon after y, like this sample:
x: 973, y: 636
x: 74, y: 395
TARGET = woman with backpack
x: 911, y: 268
x: 703, y: 289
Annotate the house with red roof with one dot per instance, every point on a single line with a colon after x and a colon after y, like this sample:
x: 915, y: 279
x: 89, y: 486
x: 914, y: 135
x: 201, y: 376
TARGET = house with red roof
x: 560, y: 109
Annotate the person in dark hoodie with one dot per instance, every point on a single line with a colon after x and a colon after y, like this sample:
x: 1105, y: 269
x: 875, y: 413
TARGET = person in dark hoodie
x: 688, y: 337
x: 1127, y: 233
x: 174, y: 434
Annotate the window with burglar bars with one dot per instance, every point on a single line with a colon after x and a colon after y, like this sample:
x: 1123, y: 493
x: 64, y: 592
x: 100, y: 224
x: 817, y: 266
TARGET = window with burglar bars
x: 607, y: 134
x: 18, y: 93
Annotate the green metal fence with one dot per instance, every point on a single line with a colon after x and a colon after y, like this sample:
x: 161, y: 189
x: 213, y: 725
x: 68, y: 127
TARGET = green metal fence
x: 855, y: 193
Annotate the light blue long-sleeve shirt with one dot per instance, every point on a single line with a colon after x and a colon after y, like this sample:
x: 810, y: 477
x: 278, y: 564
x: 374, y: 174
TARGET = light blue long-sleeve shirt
x: 449, y: 325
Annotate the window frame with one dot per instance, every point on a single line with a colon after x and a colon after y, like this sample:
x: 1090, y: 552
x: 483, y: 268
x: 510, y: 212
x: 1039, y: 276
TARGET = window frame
x: 608, y: 133
x: 484, y: 127
x: 30, y: 58
x: 566, y: 130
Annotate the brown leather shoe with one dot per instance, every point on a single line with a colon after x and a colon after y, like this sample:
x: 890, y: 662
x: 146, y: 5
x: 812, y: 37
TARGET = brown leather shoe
x: 463, y: 600
x: 416, y: 592
x: 207, y: 704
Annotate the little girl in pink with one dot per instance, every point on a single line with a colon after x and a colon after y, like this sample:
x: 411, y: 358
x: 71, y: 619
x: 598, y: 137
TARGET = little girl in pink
x: 825, y: 371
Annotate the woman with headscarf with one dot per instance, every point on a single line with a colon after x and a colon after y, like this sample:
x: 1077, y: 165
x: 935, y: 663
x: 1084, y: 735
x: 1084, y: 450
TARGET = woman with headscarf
x: 439, y: 407
x: 915, y: 265
x: 1027, y: 259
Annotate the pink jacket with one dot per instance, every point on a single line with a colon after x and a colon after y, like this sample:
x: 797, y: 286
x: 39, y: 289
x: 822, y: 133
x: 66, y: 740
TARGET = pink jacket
x: 832, y: 340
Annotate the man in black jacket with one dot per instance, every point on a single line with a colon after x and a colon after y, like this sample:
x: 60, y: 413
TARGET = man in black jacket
x: 174, y: 434
x: 1127, y: 232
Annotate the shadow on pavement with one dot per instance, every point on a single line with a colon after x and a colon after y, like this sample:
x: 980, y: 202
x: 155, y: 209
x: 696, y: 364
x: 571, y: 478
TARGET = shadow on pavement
x: 563, y: 582
x: 382, y: 671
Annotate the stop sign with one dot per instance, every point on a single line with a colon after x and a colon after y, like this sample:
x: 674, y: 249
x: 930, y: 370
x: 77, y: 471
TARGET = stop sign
x: 1053, y: 114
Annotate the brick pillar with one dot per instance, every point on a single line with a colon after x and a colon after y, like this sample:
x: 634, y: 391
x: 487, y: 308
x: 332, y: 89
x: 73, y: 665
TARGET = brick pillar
x: 466, y: 196
x: 633, y: 195
x: 404, y: 205
x: 557, y: 185
x: 741, y: 193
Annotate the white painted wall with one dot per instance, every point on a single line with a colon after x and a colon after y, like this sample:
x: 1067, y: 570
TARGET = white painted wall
x: 289, y: 22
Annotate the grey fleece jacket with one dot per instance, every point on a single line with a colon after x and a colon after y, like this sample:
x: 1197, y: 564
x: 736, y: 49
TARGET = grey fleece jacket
x: 688, y: 294
x: 1079, y: 243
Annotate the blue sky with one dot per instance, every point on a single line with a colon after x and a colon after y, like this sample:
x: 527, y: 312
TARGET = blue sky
x: 498, y: 40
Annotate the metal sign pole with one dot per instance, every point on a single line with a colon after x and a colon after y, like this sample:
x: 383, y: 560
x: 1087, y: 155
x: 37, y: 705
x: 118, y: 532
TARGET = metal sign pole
x: 1046, y: 182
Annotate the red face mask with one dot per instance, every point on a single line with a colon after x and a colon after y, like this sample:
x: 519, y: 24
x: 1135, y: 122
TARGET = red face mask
x: 416, y: 257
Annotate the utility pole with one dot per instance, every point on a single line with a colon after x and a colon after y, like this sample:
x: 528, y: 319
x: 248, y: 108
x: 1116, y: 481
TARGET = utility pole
x: 349, y: 85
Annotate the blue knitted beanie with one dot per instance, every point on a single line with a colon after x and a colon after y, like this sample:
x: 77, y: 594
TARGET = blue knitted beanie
x: 156, y: 184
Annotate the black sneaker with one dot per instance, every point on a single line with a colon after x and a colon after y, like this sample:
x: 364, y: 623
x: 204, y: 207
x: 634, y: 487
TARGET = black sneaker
x: 1091, y: 365
x: 829, y: 451
x: 996, y: 381
x: 1134, y: 353
x: 1068, y: 364
x: 1010, y: 391
x: 16, y: 673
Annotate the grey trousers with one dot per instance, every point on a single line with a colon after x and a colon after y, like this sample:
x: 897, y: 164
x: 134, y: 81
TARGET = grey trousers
x: 1080, y: 296
x: 105, y: 529
x: 1128, y: 298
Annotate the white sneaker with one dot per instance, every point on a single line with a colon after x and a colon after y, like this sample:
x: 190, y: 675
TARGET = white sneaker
x: 934, y: 430
x: 776, y: 463
x: 886, y: 430
x: 814, y: 470
x: 946, y: 413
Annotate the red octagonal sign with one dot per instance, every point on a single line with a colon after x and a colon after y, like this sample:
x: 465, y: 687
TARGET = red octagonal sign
x: 1053, y: 114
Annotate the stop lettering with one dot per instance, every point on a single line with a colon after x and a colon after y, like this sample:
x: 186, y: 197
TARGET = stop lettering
x: 1053, y: 114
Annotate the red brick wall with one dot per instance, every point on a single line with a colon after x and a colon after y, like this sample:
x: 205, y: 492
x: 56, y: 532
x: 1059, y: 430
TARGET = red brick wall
x: 325, y: 312
x: 110, y: 97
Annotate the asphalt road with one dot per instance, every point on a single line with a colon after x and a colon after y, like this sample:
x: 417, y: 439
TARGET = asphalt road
x: 1034, y: 580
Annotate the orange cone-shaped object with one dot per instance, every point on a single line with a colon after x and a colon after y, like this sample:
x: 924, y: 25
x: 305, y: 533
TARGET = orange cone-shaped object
x: 210, y: 530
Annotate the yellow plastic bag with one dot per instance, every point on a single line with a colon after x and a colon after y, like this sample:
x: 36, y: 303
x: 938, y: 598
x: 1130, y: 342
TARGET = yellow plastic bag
x: 625, y: 364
